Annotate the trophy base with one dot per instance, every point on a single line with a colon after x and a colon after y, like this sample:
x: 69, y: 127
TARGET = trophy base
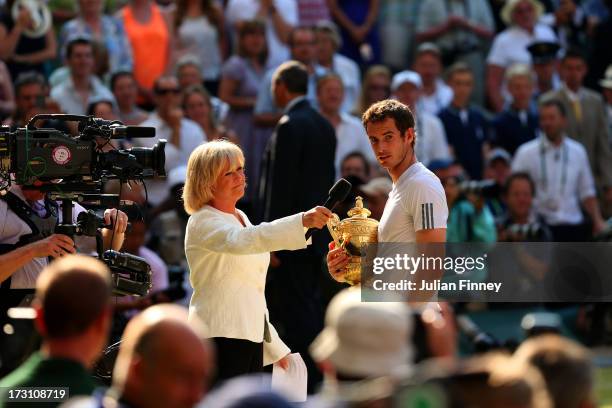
x: 352, y: 271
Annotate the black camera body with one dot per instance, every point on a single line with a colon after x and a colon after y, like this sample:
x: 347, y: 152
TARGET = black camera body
x: 525, y: 232
x: 131, y: 273
x: 42, y: 154
x: 483, y: 188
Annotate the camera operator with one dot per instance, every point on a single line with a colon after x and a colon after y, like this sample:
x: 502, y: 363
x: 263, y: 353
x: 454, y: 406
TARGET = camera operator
x: 498, y: 168
x: 469, y: 219
x: 28, y: 239
x: 520, y: 222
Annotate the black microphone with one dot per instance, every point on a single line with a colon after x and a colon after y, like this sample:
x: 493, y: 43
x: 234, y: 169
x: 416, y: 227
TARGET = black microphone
x: 336, y: 194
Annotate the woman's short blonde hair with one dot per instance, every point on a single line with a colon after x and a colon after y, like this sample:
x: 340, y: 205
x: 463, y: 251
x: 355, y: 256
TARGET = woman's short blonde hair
x: 205, y: 165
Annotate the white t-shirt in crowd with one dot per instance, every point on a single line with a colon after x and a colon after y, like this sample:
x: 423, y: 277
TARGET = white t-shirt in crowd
x: 416, y: 202
x: 510, y: 46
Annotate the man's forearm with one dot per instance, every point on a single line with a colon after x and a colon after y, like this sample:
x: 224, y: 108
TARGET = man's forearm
x: 117, y: 241
x: 592, y: 208
x: 14, y: 260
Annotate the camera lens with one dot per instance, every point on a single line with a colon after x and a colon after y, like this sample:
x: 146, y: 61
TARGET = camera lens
x: 152, y: 158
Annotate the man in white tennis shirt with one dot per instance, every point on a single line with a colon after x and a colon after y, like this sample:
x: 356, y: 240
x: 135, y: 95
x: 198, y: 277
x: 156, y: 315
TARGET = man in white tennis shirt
x: 416, y: 210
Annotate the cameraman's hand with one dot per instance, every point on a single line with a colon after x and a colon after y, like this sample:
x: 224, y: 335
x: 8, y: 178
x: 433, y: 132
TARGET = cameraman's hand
x: 55, y: 245
x: 477, y: 201
x: 112, y: 215
x: 316, y: 217
x: 119, y: 228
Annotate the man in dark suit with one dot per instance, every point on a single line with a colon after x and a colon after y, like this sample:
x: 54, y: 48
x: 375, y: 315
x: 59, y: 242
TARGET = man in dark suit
x: 297, y: 173
x: 517, y: 123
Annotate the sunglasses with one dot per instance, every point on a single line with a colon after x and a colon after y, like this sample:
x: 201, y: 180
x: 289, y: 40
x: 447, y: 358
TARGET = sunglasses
x: 165, y: 91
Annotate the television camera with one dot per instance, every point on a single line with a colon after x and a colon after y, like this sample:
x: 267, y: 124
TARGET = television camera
x: 75, y: 168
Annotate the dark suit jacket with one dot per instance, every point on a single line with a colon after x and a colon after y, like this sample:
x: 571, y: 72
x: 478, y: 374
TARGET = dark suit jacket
x: 297, y: 173
x: 298, y: 164
x: 509, y: 132
x: 591, y: 131
x: 466, y: 139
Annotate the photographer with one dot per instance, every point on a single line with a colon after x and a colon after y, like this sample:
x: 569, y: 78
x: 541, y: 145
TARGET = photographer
x: 520, y: 222
x: 28, y: 239
x: 469, y: 219
x: 497, y: 169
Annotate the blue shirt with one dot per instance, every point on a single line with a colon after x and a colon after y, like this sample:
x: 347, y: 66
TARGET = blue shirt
x: 114, y: 38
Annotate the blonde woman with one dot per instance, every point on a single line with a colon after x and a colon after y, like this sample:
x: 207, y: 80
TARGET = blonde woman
x: 228, y: 259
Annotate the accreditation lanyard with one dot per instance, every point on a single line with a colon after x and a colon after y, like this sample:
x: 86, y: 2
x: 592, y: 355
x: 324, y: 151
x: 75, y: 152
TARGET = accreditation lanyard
x: 564, y: 166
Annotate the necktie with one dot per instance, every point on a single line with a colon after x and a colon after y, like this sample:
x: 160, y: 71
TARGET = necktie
x: 577, y: 109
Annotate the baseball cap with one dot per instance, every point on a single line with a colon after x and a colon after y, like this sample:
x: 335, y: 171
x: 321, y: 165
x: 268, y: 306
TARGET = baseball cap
x: 405, y: 76
x: 498, y: 153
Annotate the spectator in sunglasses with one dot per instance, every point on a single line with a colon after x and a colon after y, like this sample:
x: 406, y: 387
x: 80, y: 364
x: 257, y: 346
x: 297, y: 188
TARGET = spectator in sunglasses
x: 182, y: 134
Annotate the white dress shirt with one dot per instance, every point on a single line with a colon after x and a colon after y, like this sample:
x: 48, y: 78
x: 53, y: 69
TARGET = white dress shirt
x: 351, y: 137
x: 438, y: 100
x: 228, y: 264
x: 431, y: 141
x: 351, y: 79
x: 191, y: 136
x: 562, y: 176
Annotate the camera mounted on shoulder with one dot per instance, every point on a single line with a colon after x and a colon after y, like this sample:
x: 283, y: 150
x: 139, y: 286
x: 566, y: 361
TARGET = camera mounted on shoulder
x: 75, y: 168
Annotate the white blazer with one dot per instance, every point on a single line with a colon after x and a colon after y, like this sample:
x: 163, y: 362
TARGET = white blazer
x: 228, y: 265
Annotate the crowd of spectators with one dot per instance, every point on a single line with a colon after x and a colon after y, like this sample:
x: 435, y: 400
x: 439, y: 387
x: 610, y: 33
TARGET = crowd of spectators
x: 513, y: 108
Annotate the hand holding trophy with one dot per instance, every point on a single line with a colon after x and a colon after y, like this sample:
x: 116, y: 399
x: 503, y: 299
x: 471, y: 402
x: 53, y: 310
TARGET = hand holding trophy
x: 351, y: 236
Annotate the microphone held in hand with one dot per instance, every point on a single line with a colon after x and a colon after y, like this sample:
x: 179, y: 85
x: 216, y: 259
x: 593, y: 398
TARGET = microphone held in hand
x: 337, y: 194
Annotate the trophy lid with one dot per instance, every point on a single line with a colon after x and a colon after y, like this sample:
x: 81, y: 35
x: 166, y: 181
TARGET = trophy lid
x: 359, y: 211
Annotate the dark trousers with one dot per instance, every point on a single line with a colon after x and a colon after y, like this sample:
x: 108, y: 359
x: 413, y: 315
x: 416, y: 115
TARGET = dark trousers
x: 237, y: 357
x: 294, y: 302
